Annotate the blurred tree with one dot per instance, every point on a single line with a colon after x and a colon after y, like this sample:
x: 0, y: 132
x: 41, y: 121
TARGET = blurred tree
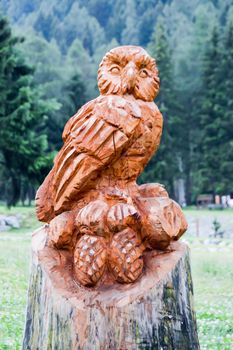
x: 79, y: 24
x: 50, y: 76
x: 204, y: 20
x: 164, y: 166
x: 116, y: 23
x: 211, y: 118
x: 101, y: 9
x: 130, y: 33
x: 69, y: 37
x: 226, y: 100
x: 23, y: 142
x: 56, y: 76
x: 145, y: 28
x: 217, y: 116
x: 78, y: 61
x: 48, y: 62
x: 74, y: 96
x: 189, y: 26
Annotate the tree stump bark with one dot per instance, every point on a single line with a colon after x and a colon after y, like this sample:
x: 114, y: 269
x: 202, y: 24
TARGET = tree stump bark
x: 155, y: 312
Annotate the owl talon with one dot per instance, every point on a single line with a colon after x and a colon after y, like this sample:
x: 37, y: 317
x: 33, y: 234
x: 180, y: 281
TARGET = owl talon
x: 123, y: 215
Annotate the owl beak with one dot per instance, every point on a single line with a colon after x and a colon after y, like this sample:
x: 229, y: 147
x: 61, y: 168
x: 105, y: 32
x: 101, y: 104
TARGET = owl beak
x: 130, y: 77
x: 130, y: 72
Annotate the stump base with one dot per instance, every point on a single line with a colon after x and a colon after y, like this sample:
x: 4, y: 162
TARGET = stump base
x: 155, y: 312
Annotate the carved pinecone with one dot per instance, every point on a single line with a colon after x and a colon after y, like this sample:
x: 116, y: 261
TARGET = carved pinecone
x: 125, y: 256
x: 90, y: 259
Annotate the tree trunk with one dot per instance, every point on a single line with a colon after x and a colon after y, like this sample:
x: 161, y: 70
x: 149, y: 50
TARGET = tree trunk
x: 13, y: 193
x: 155, y: 312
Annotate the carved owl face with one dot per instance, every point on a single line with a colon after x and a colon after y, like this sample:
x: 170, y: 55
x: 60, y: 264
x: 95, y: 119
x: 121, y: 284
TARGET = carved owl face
x: 129, y: 70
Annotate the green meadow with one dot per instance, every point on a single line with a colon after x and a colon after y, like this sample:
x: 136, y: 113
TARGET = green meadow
x: 212, y: 278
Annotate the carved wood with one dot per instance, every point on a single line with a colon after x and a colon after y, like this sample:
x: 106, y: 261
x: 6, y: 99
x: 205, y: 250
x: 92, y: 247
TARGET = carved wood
x: 90, y: 199
x: 154, y: 312
x: 106, y: 270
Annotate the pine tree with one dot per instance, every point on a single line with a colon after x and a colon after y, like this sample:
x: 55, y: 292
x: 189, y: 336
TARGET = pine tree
x: 217, y: 116
x: 164, y: 166
x: 75, y: 92
x: 130, y: 33
x: 212, y: 136
x: 226, y: 100
x: 23, y: 141
x: 74, y: 97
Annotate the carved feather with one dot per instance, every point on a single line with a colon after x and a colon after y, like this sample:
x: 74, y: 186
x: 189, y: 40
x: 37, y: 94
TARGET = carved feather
x: 93, y: 138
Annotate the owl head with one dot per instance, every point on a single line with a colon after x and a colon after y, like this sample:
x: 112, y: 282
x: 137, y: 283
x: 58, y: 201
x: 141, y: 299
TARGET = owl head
x: 129, y: 70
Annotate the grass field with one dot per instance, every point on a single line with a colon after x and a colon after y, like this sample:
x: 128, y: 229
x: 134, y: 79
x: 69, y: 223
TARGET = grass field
x: 212, y: 267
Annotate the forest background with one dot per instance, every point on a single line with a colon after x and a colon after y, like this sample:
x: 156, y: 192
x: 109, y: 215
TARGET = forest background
x: 49, y: 56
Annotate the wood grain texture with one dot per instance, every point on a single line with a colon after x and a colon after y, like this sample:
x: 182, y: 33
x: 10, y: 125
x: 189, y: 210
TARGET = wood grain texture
x: 153, y: 313
x: 91, y: 192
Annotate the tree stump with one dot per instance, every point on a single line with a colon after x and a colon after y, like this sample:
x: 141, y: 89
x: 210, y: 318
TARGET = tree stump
x: 155, y: 312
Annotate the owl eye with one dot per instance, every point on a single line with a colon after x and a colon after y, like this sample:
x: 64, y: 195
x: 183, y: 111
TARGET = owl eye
x: 114, y: 69
x: 143, y: 73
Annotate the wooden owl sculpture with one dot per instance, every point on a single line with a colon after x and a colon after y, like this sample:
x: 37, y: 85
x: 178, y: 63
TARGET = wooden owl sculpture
x: 90, y: 198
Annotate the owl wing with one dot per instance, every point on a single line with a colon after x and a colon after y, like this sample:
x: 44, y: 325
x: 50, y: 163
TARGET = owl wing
x: 93, y: 138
